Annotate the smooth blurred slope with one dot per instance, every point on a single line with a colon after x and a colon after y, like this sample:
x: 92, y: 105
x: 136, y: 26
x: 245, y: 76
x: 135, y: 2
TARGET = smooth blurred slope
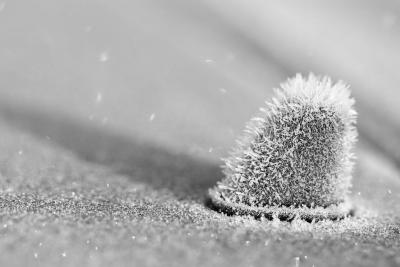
x: 134, y: 157
x: 136, y: 58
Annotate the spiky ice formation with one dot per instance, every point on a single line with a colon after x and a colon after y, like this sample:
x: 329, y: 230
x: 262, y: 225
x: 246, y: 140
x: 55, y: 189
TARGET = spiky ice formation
x: 297, y: 152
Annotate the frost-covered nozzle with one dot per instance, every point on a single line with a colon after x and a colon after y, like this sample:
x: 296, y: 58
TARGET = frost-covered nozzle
x: 295, y: 157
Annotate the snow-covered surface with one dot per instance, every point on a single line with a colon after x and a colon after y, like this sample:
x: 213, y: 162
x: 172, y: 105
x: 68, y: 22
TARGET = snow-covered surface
x: 71, y: 205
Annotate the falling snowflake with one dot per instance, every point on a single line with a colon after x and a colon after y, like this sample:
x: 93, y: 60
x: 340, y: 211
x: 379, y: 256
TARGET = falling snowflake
x: 104, y: 57
x: 2, y: 6
x: 99, y: 97
x: 88, y: 28
x: 223, y: 90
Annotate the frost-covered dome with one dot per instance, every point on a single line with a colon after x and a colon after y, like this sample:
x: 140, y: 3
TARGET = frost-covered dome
x: 297, y: 151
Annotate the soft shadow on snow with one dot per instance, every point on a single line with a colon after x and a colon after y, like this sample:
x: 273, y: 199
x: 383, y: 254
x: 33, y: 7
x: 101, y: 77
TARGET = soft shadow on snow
x: 185, y: 176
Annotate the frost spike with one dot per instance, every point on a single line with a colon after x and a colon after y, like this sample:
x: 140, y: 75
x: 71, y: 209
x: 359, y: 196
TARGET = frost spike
x: 297, y: 154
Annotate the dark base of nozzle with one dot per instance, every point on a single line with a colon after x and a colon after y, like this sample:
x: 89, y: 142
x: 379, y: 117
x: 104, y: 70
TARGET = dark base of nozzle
x: 333, y: 212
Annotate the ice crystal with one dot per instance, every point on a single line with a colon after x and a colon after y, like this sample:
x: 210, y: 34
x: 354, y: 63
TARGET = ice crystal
x: 99, y: 97
x: 297, y: 152
x: 104, y: 57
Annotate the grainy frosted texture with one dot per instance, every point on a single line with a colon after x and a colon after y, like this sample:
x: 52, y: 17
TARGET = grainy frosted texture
x: 297, y: 151
x: 59, y: 209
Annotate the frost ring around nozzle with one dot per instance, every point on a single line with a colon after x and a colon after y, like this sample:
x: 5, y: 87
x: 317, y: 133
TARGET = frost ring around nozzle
x: 333, y: 212
x: 295, y: 158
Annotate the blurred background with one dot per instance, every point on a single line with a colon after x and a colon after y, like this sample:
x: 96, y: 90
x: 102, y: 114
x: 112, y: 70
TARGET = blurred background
x: 186, y: 75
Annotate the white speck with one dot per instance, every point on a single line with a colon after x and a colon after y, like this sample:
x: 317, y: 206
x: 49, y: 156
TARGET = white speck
x: 103, y: 57
x: 208, y: 61
x: 266, y: 243
x: 20, y: 152
x: 35, y: 255
x: 104, y: 121
x: 223, y: 90
x: 64, y: 254
x: 108, y: 185
x: 247, y: 242
x: 359, y: 193
x: 99, y: 97
x: 4, y: 225
x: 96, y: 248
x: 2, y: 6
x: 40, y: 244
x: 88, y: 28
x: 152, y: 117
x: 389, y: 191
x: 88, y: 241
x: 210, y: 149
x: 133, y: 237
x: 230, y: 56
x: 297, y: 261
x: 305, y: 257
x: 389, y: 20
